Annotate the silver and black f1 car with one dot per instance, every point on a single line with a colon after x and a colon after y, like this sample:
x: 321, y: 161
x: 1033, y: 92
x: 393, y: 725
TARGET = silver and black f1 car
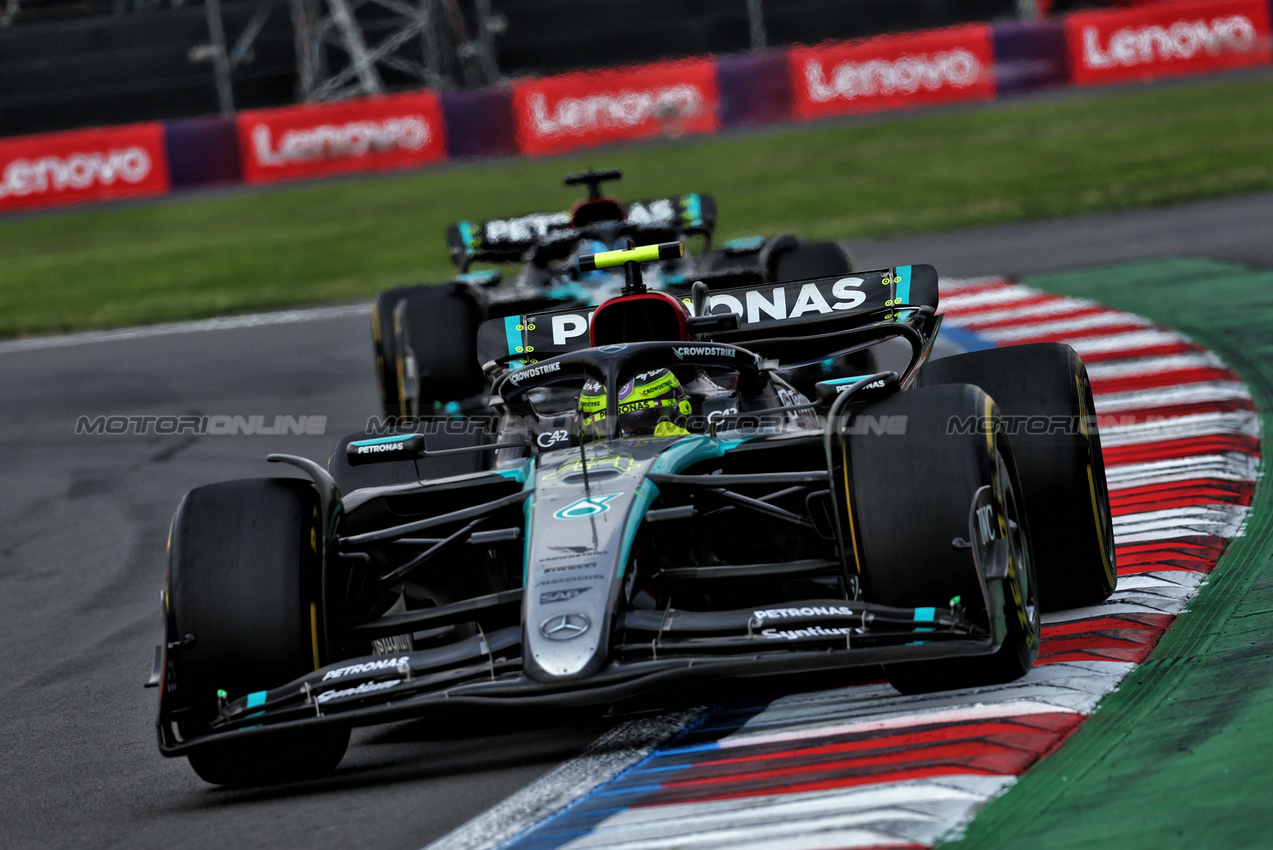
x: 656, y: 503
x: 418, y: 329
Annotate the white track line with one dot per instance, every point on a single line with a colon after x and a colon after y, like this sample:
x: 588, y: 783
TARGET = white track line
x: 255, y: 320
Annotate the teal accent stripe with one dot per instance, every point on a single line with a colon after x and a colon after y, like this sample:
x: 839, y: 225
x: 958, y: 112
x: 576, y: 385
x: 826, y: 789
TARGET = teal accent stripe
x: 903, y: 292
x: 645, y: 494
x: 693, y: 210
x: 512, y: 334
x: 528, y: 516
x: 835, y: 382
x: 256, y: 698
x: 382, y: 440
x: 925, y: 615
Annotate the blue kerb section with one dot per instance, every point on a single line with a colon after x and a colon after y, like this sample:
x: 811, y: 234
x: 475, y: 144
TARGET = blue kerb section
x: 512, y: 334
x: 697, y: 748
x: 379, y: 441
x: 629, y: 787
x: 903, y: 291
x: 963, y: 339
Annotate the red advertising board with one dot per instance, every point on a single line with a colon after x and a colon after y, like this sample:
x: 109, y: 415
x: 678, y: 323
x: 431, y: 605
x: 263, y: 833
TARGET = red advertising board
x: 582, y: 110
x: 1166, y: 39
x: 893, y: 72
x: 81, y: 166
x: 366, y: 134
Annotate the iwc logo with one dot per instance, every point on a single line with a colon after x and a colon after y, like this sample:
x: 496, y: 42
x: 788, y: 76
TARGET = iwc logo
x: 564, y: 626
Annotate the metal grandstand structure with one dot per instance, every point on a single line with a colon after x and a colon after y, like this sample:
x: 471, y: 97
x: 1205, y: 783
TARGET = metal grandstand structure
x: 347, y: 48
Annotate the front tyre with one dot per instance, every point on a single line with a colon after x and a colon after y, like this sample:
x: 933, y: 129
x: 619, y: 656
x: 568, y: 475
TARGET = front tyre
x: 243, y: 585
x: 1045, y: 397
x: 917, y: 460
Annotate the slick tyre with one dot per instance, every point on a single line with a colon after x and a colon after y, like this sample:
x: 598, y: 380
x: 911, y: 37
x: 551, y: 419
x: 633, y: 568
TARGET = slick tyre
x: 435, y: 330
x: 912, y: 488
x: 1046, y: 398
x: 243, y: 605
x: 810, y: 259
x: 385, y: 344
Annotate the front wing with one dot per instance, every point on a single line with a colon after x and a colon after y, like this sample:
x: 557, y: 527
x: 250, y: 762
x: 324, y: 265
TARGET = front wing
x: 656, y: 650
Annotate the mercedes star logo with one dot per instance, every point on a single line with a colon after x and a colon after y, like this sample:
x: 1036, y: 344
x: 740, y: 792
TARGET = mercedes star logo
x: 564, y: 626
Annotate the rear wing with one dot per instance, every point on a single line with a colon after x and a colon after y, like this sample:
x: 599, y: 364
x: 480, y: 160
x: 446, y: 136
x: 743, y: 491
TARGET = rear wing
x: 506, y: 240
x: 774, y: 318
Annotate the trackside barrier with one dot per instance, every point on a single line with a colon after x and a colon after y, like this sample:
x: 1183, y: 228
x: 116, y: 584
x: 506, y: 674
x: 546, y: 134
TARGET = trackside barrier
x: 82, y: 166
x: 363, y: 134
x: 571, y: 111
x: 893, y: 72
x: 575, y: 111
x: 1167, y: 39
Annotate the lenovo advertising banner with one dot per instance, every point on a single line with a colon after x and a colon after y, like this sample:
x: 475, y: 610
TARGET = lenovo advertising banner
x: 893, y: 72
x: 582, y: 110
x: 82, y: 166
x: 1167, y: 39
x: 367, y: 134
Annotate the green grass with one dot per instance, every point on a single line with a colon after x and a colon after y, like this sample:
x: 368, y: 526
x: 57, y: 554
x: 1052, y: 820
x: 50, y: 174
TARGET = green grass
x: 343, y: 239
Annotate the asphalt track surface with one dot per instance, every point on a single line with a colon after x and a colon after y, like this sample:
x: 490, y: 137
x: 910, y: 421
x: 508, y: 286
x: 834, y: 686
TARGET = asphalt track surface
x: 85, y: 518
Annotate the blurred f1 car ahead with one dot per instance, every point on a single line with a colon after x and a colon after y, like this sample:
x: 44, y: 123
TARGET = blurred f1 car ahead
x: 419, y: 329
x: 656, y: 505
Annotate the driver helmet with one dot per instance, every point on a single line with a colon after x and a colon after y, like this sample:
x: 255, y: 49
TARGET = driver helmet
x: 651, y: 404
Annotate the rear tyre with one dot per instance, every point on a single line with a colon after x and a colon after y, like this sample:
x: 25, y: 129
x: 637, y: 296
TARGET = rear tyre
x: 243, y: 580
x: 385, y: 343
x: 1043, y: 391
x: 810, y: 259
x: 436, y: 355
x: 911, y: 494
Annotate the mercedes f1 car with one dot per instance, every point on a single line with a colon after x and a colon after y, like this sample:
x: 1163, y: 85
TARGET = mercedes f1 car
x: 418, y: 329
x: 766, y: 480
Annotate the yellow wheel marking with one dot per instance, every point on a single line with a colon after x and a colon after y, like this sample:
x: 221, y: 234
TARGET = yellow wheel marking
x: 848, y: 502
x: 313, y: 630
x: 990, y: 434
x: 1100, y: 532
